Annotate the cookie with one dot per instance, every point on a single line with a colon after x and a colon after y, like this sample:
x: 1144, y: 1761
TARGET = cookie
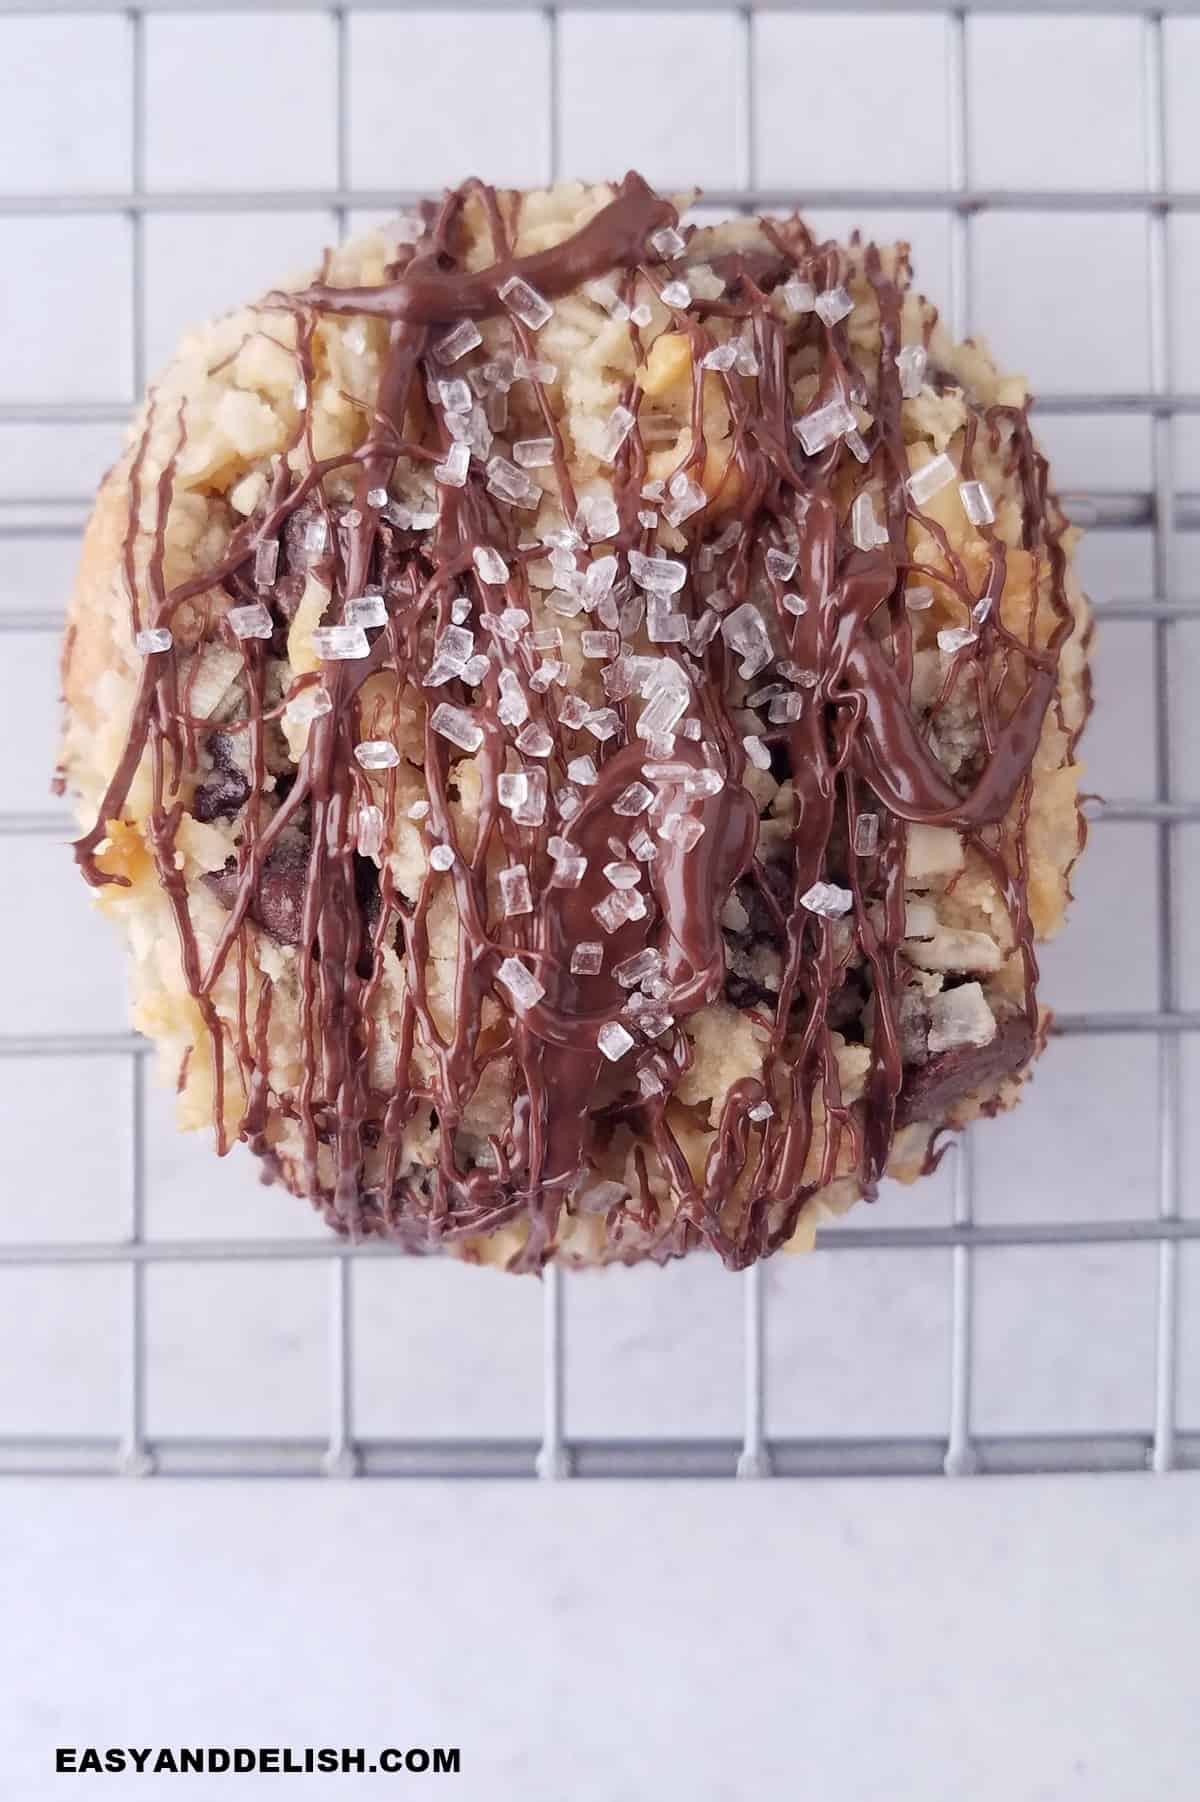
x: 576, y: 716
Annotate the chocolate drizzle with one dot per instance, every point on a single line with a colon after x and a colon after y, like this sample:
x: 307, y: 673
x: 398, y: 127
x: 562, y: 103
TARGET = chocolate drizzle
x: 856, y: 747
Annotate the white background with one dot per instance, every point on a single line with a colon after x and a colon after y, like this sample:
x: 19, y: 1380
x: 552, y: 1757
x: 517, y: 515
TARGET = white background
x: 995, y: 1639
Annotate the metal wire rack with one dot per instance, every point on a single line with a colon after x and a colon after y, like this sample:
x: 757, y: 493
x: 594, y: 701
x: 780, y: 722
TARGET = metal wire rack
x: 1165, y: 510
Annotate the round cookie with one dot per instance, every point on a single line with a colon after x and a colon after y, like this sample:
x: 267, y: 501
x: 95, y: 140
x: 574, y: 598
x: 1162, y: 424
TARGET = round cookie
x: 576, y: 716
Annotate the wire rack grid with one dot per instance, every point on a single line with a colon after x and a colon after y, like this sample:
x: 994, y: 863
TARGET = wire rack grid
x: 959, y: 1450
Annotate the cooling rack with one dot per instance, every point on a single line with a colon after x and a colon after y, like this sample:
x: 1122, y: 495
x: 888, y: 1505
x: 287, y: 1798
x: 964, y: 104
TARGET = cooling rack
x: 1162, y: 508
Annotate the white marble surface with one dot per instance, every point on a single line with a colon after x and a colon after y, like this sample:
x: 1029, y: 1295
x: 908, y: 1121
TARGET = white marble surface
x: 990, y: 1640
x: 884, y: 1642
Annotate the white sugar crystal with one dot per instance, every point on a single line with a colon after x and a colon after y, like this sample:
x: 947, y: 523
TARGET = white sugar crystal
x: 587, y: 959
x: 865, y: 527
x: 827, y: 899
x: 300, y: 396
x: 522, y: 985
x: 377, y: 498
x: 369, y: 831
x: 569, y: 870
x: 266, y: 562
x: 613, y: 1040
x: 632, y: 800
x: 982, y: 610
x: 599, y: 644
x: 616, y: 430
x: 338, y: 643
x: 532, y: 810
x: 606, y: 296
x: 456, y: 724
x: 721, y: 356
x: 691, y: 728
x: 453, y: 472
x: 795, y: 603
x: 643, y: 963
x: 489, y: 564
x: 649, y: 1082
x: 804, y: 678
x: 153, y: 638
x: 757, y: 751
x: 762, y: 1110
x: 667, y: 242
x: 857, y: 448
x: 786, y: 710
x: 568, y: 606
x: 658, y: 575
x: 955, y: 638
x: 663, y: 624
x: 500, y: 372
x: 977, y: 503
x: 508, y: 483
x: 768, y: 693
x: 475, y: 669
x: 516, y: 896
x: 682, y: 830
x: 622, y: 875
x: 747, y: 361
x: 253, y: 621
x: 534, y: 453
x: 703, y: 782
x: 643, y: 846
x: 677, y: 294
x: 464, y: 337
x: 534, y: 369
x: 514, y: 708
x: 703, y: 632
x: 534, y: 740
x: 617, y: 908
x: 800, y: 296
x: 316, y: 536
x: 512, y: 789
x: 308, y: 705
x: 960, y: 1016
x: 583, y: 770
x: 460, y: 610
x: 456, y: 644
x: 598, y: 518
x: 866, y: 834
x: 687, y: 497
x: 668, y: 772
x: 602, y: 723
x: 662, y: 714
x: 781, y: 565
x: 745, y: 632
x: 442, y: 857
x: 630, y: 615
x: 352, y: 517
x: 641, y: 315
x: 366, y: 610
x: 911, y: 362
x: 508, y: 624
x: 455, y: 396
x: 918, y: 599
x: 418, y: 811
x: 530, y: 307
x: 833, y: 304
x: 573, y: 710
x: 376, y: 754
x: 441, y: 670
x: 820, y: 428
x: 930, y: 479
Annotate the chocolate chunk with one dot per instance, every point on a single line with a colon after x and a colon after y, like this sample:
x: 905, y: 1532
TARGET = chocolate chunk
x: 221, y: 796
x: 765, y: 268
x: 278, y: 902
x: 294, y: 560
x: 931, y: 1089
